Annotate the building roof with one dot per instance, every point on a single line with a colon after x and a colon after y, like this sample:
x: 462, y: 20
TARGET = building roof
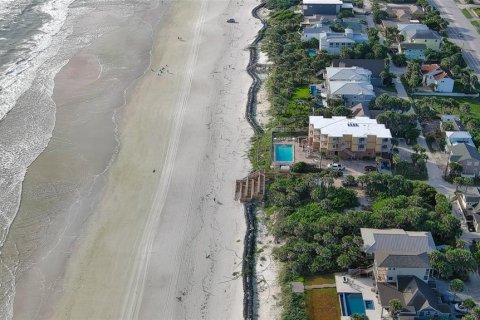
x: 348, y: 74
x: 458, y: 135
x: 360, y: 110
x: 347, y: 37
x: 441, y: 75
x: 384, y: 259
x: 422, y: 34
x: 413, y: 293
x: 397, y: 241
x: 357, y: 127
x: 463, y: 151
x: 351, y: 88
x: 322, y: 2
x: 376, y: 66
x: 413, y: 46
x: 427, y: 68
x: 405, y: 27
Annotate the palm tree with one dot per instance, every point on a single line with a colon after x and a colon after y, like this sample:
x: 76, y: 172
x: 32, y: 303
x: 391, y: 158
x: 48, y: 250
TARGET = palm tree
x: 395, y: 307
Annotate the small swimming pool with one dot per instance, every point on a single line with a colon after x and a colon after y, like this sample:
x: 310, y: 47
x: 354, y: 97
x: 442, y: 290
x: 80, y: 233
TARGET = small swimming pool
x: 352, y: 303
x: 283, y: 152
x: 312, y: 52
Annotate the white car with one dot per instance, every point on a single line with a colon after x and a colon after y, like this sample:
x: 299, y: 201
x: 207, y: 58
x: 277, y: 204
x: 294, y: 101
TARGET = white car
x: 336, y: 166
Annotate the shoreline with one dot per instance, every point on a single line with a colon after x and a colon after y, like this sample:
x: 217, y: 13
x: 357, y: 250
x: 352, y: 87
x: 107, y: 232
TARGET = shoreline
x: 96, y: 243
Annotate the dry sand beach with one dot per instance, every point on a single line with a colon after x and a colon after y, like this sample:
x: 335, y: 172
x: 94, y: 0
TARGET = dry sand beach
x: 159, y: 235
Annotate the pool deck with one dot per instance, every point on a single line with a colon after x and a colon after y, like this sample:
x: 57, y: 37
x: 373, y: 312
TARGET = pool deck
x: 363, y: 286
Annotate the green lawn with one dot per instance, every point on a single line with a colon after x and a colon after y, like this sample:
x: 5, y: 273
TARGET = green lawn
x: 474, y: 106
x: 320, y: 279
x: 302, y: 93
x: 323, y: 304
x: 467, y: 13
x: 477, y: 11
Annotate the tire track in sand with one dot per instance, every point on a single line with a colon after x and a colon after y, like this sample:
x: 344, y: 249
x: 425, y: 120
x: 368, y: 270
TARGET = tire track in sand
x: 134, y: 295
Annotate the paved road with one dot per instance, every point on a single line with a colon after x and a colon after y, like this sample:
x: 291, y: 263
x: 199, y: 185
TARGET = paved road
x: 461, y: 31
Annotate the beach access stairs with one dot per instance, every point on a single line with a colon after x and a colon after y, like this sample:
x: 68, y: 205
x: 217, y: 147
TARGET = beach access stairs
x: 358, y: 272
x: 251, y: 188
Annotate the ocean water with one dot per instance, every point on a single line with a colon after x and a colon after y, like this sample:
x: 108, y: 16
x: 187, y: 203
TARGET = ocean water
x: 38, y: 38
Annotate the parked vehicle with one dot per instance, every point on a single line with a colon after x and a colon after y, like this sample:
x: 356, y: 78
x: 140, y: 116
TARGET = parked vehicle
x: 231, y: 20
x: 370, y: 169
x: 336, y: 166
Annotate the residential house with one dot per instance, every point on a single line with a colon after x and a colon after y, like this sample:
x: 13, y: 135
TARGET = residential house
x: 405, y: 28
x: 412, y: 51
x: 401, y: 268
x: 454, y: 137
x: 431, y: 39
x: 314, y: 31
x: 469, y: 200
x: 470, y: 204
x: 403, y: 12
x: 376, y: 66
x: 468, y: 157
x: 334, y: 42
x: 321, y: 7
x: 352, y: 85
x: 349, y: 138
x: 433, y: 75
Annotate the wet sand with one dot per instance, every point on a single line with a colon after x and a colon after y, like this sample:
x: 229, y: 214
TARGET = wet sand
x: 143, y: 244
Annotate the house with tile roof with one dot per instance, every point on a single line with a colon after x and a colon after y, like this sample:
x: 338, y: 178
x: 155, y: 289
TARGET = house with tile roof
x: 352, y: 85
x: 401, y: 269
x: 434, y: 76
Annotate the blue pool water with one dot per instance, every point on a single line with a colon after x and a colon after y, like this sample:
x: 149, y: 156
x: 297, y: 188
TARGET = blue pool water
x: 312, y: 52
x: 284, y: 152
x: 352, y: 303
x: 369, y: 305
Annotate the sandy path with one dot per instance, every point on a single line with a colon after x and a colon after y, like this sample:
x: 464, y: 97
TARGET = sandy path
x: 167, y: 244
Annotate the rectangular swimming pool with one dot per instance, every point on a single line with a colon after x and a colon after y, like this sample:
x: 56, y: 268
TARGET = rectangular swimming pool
x: 352, y: 303
x: 283, y: 152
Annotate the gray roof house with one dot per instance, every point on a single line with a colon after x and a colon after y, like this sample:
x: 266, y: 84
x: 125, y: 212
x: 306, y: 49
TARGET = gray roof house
x: 468, y: 156
x: 314, y: 31
x: 334, y: 42
x: 417, y: 297
x: 352, y: 85
x: 396, y: 241
x: 376, y: 66
x: 401, y: 268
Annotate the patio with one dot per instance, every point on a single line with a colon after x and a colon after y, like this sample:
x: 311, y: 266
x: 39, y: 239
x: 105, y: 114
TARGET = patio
x: 365, y: 286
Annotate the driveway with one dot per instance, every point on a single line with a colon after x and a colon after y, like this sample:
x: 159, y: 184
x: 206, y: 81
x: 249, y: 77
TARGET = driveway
x: 435, y: 175
x: 398, y: 71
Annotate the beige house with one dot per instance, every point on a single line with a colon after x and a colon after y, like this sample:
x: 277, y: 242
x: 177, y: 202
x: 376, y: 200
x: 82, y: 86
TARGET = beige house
x: 349, y: 137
